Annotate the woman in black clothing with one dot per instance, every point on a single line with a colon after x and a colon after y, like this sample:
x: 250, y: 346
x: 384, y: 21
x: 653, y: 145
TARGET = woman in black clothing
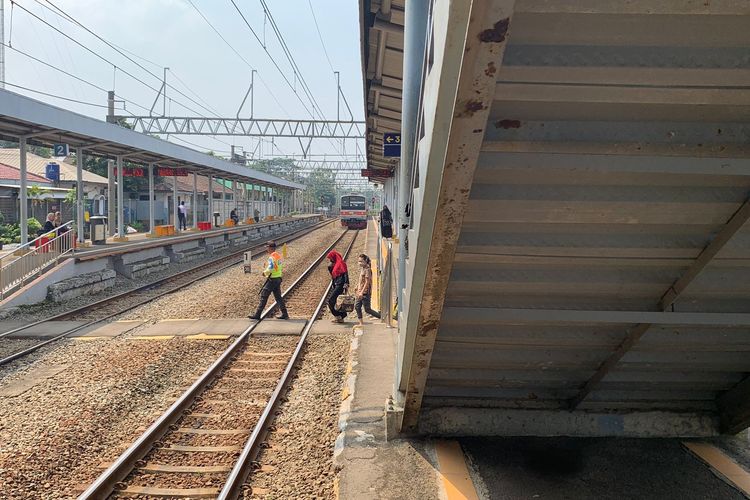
x: 340, y: 278
x: 386, y: 222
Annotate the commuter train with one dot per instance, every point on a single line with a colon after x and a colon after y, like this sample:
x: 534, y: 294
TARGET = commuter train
x: 353, y: 211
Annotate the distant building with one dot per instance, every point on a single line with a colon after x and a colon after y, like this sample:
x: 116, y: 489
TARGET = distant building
x: 53, y: 192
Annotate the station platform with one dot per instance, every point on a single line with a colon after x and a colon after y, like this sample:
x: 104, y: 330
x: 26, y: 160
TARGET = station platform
x: 378, y: 463
x: 141, y: 241
x: 94, y: 269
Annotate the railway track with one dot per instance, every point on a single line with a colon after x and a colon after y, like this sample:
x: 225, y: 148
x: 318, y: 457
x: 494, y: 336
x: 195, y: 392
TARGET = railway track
x: 205, y: 444
x: 110, y: 307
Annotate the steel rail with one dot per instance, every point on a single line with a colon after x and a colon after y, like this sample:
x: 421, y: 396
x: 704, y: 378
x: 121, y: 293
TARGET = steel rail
x: 108, y: 480
x: 244, y: 465
x: 232, y: 258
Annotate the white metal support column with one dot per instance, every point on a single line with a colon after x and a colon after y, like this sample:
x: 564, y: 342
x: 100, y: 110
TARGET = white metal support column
x: 234, y: 197
x: 23, y: 195
x: 79, y: 193
x: 268, y: 201
x: 194, y: 204
x: 120, y: 206
x: 224, y: 200
x: 211, y: 200
x: 111, y: 197
x: 175, y: 209
x: 151, y: 217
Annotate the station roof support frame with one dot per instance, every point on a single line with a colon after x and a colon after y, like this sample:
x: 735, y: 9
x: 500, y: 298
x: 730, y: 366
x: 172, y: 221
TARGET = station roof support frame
x: 44, y: 124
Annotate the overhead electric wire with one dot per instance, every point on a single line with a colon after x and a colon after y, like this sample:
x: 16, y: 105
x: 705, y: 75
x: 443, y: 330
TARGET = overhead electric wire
x: 54, y: 95
x: 320, y: 36
x: 290, y: 58
x: 60, y: 12
x: 238, y: 55
x: 255, y: 34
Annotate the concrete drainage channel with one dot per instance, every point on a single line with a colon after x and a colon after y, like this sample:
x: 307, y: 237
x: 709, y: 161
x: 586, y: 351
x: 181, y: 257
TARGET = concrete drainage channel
x: 199, y: 411
x: 109, y: 307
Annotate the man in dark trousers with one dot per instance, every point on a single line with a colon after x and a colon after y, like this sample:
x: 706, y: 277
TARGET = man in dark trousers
x: 272, y: 272
x: 182, y: 215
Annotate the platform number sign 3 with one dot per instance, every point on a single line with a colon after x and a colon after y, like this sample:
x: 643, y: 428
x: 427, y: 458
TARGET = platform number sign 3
x: 391, y: 144
x: 60, y: 150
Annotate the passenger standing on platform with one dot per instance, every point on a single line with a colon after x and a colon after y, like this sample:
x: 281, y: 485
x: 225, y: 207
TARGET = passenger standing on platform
x: 49, y: 224
x: 272, y: 272
x: 340, y: 279
x: 364, y: 289
x: 182, y: 213
x: 233, y: 216
x: 256, y: 215
x: 59, y: 225
x: 386, y: 222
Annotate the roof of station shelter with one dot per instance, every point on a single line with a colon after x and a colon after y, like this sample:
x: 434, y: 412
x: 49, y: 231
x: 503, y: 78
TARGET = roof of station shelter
x: 37, y: 165
x: 46, y: 125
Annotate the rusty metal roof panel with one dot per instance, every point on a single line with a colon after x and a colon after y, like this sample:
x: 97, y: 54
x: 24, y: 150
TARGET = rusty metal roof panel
x: 610, y: 190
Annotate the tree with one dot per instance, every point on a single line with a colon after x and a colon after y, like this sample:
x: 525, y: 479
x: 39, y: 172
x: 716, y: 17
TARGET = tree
x: 279, y: 167
x: 321, y: 188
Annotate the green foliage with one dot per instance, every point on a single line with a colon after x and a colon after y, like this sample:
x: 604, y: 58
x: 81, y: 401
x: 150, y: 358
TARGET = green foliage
x: 37, y: 194
x: 71, y: 197
x: 10, y: 233
x: 279, y: 167
x: 321, y: 188
x: 34, y: 225
x: 137, y: 225
x: 37, y: 150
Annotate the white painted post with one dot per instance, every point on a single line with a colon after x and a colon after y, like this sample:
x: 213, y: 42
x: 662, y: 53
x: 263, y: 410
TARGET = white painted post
x: 151, y: 215
x: 175, y: 210
x: 120, y: 204
x: 211, y: 200
x: 79, y: 193
x: 111, y: 197
x: 23, y: 195
x: 224, y: 200
x: 194, y: 206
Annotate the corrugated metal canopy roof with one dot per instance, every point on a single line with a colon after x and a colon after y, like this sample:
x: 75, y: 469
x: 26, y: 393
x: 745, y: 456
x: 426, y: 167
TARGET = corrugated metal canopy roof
x: 47, y: 125
x: 603, y: 259
x: 382, y: 66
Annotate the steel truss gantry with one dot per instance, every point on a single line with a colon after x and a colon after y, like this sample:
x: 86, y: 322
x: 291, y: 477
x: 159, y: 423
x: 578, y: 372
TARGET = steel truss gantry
x: 249, y: 127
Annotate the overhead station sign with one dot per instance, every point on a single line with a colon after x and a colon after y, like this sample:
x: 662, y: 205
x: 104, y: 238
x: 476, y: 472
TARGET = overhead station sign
x: 171, y: 172
x: 392, y: 144
x: 160, y: 171
x: 131, y: 172
x: 371, y: 172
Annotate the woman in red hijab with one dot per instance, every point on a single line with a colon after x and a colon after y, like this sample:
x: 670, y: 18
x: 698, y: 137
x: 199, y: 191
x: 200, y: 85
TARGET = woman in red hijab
x: 340, y: 279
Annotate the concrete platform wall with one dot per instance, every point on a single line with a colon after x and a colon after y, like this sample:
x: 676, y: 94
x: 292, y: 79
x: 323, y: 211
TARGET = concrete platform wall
x: 136, y: 263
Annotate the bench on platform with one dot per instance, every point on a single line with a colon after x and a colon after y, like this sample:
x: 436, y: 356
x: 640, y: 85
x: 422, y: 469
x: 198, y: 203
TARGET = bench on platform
x: 165, y: 230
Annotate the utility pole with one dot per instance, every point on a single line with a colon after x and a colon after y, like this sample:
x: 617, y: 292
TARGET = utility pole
x: 2, y: 44
x: 110, y: 105
x: 338, y: 95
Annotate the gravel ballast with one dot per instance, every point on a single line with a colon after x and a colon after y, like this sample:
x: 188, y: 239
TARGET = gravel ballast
x: 300, y: 459
x: 55, y: 434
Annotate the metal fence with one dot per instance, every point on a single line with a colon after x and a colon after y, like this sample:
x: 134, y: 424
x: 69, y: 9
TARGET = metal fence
x: 35, y: 258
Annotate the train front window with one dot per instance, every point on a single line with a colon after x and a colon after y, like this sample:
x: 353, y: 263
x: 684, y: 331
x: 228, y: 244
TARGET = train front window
x: 353, y: 203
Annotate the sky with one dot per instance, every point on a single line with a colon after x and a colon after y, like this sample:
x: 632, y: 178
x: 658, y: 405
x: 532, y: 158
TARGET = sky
x: 171, y: 33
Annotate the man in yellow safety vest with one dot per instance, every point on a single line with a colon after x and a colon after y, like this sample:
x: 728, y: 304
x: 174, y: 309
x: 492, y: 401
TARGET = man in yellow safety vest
x: 272, y: 272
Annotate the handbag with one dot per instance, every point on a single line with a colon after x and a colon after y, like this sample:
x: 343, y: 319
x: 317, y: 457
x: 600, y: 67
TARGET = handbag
x: 345, y: 303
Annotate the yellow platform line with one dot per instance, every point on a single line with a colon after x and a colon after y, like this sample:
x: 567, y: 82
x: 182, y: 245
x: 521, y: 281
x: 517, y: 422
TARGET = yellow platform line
x: 453, y: 472
x: 721, y: 463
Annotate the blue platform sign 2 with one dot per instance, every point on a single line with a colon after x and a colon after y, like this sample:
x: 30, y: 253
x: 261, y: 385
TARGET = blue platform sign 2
x: 52, y: 172
x: 391, y: 144
x: 60, y: 150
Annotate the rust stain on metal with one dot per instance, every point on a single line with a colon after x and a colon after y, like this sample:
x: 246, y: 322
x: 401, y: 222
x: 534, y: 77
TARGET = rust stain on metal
x: 491, y: 69
x: 506, y: 124
x: 472, y: 107
x: 497, y: 33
